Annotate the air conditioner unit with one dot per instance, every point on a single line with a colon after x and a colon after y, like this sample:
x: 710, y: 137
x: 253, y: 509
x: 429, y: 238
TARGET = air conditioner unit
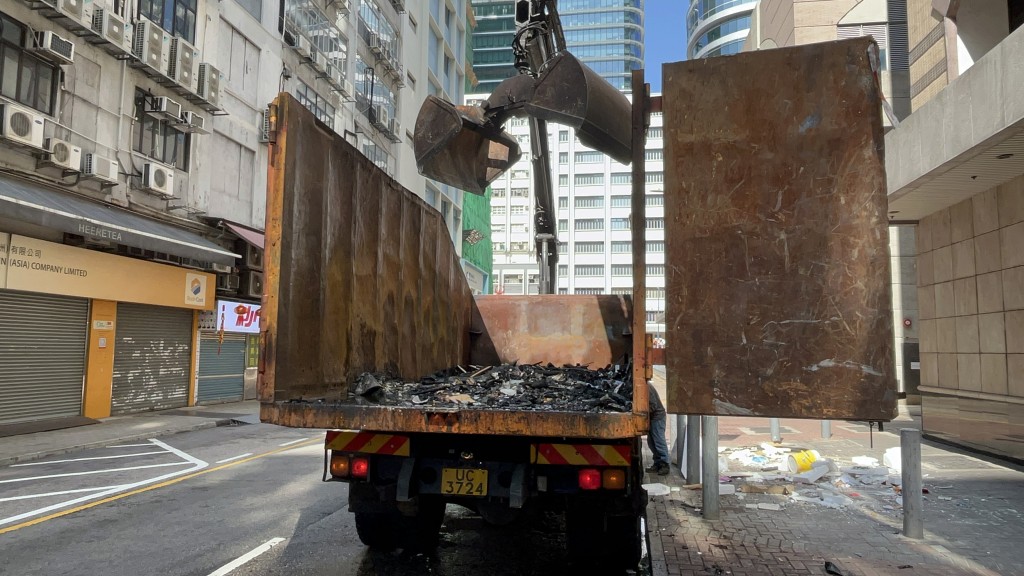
x: 318, y: 61
x: 158, y: 179
x: 301, y: 45
x: 53, y: 47
x: 343, y: 7
x: 151, y: 44
x: 163, y: 107
x: 221, y: 268
x: 252, y: 284
x: 22, y: 126
x: 376, y: 44
x: 112, y: 28
x: 99, y: 168
x: 347, y: 89
x: 265, y: 126
x: 381, y: 117
x: 208, y: 87
x: 184, y: 64
x: 333, y: 75
x: 252, y: 257
x: 73, y: 9
x: 394, y: 131
x: 227, y: 282
x: 192, y: 123
x: 62, y: 154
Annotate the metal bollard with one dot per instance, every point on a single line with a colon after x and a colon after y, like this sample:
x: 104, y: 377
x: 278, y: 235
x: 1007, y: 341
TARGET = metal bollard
x: 709, y: 479
x: 826, y: 429
x: 692, y: 448
x: 680, y: 439
x: 910, y: 454
x: 776, y: 430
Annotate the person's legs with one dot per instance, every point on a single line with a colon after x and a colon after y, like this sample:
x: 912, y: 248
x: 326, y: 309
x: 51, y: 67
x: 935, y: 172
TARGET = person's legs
x: 656, y: 435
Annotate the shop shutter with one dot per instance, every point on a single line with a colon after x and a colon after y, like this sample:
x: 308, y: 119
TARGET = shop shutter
x: 152, y: 358
x: 221, y: 368
x: 42, y: 356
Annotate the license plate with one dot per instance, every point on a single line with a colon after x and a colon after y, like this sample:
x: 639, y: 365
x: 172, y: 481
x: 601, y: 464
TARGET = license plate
x: 464, y: 481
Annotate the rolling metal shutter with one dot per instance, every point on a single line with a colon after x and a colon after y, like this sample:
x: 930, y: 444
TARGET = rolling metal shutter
x: 42, y: 356
x: 152, y: 358
x: 221, y: 375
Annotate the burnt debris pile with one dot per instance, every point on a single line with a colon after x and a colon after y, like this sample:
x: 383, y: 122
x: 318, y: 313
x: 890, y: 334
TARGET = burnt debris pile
x: 506, y: 387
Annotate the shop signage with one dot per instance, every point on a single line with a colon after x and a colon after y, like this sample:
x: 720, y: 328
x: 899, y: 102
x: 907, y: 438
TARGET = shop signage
x: 238, y: 317
x: 35, y: 265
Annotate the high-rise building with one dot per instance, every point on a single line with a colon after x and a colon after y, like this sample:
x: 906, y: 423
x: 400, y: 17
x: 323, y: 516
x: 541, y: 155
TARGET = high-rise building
x: 591, y: 191
x: 717, y: 27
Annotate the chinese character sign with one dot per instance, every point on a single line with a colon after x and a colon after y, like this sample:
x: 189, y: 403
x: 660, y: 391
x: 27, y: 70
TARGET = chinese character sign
x: 238, y: 317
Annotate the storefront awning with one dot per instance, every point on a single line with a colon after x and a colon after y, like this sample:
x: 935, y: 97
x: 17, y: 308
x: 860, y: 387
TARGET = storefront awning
x: 251, y: 236
x: 34, y: 203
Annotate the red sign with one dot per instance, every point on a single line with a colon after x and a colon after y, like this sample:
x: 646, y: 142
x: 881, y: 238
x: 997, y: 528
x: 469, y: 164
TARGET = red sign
x: 238, y: 317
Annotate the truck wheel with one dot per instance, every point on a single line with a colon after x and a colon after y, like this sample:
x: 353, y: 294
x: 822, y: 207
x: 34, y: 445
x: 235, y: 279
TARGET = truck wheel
x: 596, y: 540
x: 624, y: 541
x: 378, y: 530
x: 427, y: 524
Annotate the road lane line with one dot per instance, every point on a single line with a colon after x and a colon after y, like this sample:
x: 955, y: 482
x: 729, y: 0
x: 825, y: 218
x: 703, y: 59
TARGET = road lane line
x: 128, y: 445
x: 295, y: 441
x: 248, y: 556
x: 233, y: 458
x: 197, y: 465
x: 162, y: 482
x: 91, y: 458
x: 61, y: 493
x: 66, y: 474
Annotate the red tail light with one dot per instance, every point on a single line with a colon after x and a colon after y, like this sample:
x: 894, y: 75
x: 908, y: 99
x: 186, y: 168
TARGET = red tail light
x: 590, y: 479
x: 361, y: 468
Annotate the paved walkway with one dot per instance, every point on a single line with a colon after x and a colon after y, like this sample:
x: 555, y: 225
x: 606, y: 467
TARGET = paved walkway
x: 973, y: 513
x: 123, y: 429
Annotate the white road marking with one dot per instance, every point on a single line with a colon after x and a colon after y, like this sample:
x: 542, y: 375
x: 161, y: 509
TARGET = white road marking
x: 47, y: 494
x: 128, y: 445
x: 92, y: 458
x: 241, y: 560
x: 233, y: 458
x: 197, y: 464
x: 294, y: 441
x: 92, y: 472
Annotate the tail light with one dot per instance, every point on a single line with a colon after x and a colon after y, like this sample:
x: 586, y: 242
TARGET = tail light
x: 340, y: 465
x: 590, y: 479
x: 360, y: 467
x: 613, y: 479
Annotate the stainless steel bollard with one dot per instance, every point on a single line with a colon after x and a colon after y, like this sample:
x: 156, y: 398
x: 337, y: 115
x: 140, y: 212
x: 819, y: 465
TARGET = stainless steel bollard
x: 913, y: 506
x: 693, y: 448
x: 709, y: 479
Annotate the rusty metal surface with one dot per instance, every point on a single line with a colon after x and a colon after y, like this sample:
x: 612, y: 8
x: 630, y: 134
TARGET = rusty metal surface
x: 778, y: 288
x: 561, y: 329
x: 639, y: 121
x: 391, y: 419
x: 361, y: 273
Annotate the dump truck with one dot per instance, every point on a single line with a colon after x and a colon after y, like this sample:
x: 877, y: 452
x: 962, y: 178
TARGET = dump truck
x: 362, y: 277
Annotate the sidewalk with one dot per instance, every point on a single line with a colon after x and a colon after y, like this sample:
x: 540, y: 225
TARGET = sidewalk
x: 125, y: 429
x: 973, y: 513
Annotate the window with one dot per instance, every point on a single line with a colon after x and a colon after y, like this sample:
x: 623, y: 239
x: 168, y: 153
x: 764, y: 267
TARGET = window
x: 519, y: 229
x: 590, y: 202
x: 590, y: 224
x: 653, y: 316
x: 563, y: 225
x: 498, y: 193
x: 590, y: 247
x: 316, y: 104
x: 563, y: 136
x: 563, y: 269
x: 622, y: 178
x: 589, y: 291
x: 589, y: 157
x: 653, y: 155
x: 654, y: 132
x: 655, y: 223
x: 518, y: 209
x: 563, y: 179
x: 622, y: 291
x: 655, y: 245
x: 656, y: 293
x: 520, y: 246
x: 622, y: 247
x: 655, y: 200
x: 590, y: 179
x: 622, y: 270
x: 621, y: 201
x: 520, y: 192
x: 176, y: 16
x: 563, y: 290
x: 655, y: 269
x: 513, y: 278
x: 563, y: 202
x: 520, y: 174
x: 589, y: 270
x: 497, y: 210
x: 655, y: 177
x: 533, y: 278
x: 563, y: 157
x: 156, y: 139
x: 499, y: 246
x: 23, y: 77
x: 497, y: 229
x: 620, y: 223
x: 563, y: 248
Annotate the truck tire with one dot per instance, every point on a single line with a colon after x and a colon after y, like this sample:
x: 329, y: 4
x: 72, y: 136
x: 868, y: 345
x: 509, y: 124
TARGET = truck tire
x: 378, y: 529
x: 426, y: 533
x: 595, y: 539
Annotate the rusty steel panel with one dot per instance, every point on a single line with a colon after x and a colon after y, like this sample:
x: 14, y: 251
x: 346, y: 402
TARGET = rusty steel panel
x: 561, y: 329
x: 598, y: 425
x: 778, y: 287
x: 361, y: 274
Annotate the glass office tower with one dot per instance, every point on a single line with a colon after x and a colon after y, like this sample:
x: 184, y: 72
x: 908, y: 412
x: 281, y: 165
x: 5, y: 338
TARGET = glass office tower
x: 717, y: 27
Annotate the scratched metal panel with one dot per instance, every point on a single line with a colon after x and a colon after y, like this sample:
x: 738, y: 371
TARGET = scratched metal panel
x: 361, y: 274
x: 152, y: 358
x: 778, y: 291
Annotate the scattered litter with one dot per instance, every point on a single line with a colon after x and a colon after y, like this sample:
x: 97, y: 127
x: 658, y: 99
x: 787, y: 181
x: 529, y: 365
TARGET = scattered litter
x: 813, y: 475
x: 656, y: 489
x: 832, y: 569
x: 904, y: 566
x: 768, y: 506
x: 945, y: 498
x: 802, y: 461
x: 691, y: 486
x: 751, y: 506
x: 893, y: 459
x: 865, y: 461
x: 675, y: 488
x: 726, y: 489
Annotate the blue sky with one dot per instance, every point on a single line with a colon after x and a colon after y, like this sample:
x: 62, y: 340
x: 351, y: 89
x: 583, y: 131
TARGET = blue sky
x: 664, y: 38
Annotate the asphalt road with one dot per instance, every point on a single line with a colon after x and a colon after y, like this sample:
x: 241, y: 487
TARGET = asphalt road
x: 207, y: 502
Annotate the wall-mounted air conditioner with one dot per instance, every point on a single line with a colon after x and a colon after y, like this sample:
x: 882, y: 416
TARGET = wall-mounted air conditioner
x: 394, y: 131
x: 73, y: 9
x: 208, y: 87
x: 252, y: 284
x: 99, y: 168
x: 22, y: 126
x: 164, y: 108
x: 113, y: 29
x: 318, y: 61
x: 221, y: 268
x: 301, y: 45
x: 184, y: 64
x: 252, y: 257
x: 158, y: 179
x: 53, y: 47
x: 376, y: 44
x: 192, y: 123
x: 62, y: 154
x: 228, y: 282
x: 381, y: 117
x: 152, y: 45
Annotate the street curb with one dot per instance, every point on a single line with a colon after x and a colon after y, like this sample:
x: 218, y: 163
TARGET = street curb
x: 659, y: 566
x: 56, y: 451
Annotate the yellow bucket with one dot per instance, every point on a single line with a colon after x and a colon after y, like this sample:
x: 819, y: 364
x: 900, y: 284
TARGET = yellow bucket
x: 802, y: 461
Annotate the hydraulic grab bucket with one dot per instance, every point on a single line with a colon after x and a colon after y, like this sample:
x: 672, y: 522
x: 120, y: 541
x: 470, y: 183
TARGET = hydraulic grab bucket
x: 456, y: 145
